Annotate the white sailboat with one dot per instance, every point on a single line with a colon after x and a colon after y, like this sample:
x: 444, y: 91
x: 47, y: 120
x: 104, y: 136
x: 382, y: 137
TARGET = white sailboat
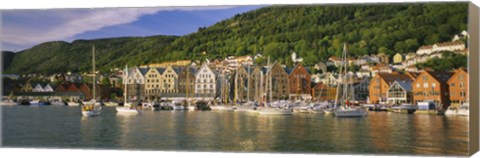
x: 279, y: 110
x: 345, y: 109
x: 127, y: 106
x: 92, y: 108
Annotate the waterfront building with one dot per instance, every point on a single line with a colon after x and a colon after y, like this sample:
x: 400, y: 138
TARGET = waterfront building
x: 432, y: 86
x: 380, y: 83
x: 153, y: 83
x: 276, y: 81
x: 27, y: 87
x: 400, y: 92
x: 136, y: 83
x: 299, y: 81
x: 398, y: 58
x: 323, y: 92
x: 186, y: 81
x: 38, y: 88
x: 205, y: 82
x: 240, y: 84
x: 170, y: 79
x: 445, y: 46
x: 255, y: 85
x: 458, y: 87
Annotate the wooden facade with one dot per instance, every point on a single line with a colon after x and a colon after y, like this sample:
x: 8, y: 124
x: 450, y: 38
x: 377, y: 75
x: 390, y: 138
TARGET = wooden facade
x: 458, y: 87
x: 299, y: 81
x: 432, y: 86
x: 276, y: 80
x: 380, y: 83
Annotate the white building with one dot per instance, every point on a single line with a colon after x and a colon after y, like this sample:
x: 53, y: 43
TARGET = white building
x: 205, y: 81
x: 446, y: 46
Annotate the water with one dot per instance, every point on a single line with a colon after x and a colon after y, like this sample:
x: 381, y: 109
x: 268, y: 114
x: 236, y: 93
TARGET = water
x: 378, y: 133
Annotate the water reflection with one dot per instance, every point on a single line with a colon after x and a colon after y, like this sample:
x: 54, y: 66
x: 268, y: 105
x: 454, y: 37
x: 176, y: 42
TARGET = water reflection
x: 382, y: 133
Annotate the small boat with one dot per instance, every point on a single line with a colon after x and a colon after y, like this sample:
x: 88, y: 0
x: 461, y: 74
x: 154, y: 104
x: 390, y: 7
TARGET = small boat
x: 111, y: 103
x: 7, y: 102
x: 405, y: 108
x: 350, y: 111
x: 151, y: 106
x: 91, y: 110
x: 58, y: 103
x: 328, y: 111
x: 302, y: 109
x: 128, y: 109
x: 38, y: 103
x: 72, y: 103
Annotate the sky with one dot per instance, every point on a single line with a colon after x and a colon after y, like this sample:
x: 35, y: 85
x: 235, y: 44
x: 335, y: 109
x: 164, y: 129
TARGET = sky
x: 22, y: 29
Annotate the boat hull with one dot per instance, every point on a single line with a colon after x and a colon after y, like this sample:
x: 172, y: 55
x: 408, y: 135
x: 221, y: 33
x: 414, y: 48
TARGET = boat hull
x: 90, y: 113
x: 127, y: 110
x: 275, y: 112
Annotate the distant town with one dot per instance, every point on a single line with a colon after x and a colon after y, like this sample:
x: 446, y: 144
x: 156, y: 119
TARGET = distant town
x: 378, y: 79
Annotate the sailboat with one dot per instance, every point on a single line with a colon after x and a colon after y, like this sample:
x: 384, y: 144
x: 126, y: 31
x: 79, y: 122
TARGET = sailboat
x: 279, y: 110
x: 92, y: 107
x: 127, y: 108
x: 345, y: 109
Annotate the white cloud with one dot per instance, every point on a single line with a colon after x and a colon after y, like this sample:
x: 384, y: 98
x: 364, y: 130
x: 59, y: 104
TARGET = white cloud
x: 28, y: 27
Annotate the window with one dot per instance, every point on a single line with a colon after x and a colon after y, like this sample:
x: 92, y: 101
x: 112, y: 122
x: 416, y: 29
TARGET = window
x: 434, y: 85
x: 425, y: 78
x: 461, y: 85
x: 425, y: 85
x: 418, y: 85
x: 452, y: 84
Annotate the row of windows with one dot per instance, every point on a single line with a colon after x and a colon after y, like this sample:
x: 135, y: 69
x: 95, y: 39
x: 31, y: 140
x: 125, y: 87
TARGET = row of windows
x: 204, y: 86
x: 204, y: 80
x: 462, y: 85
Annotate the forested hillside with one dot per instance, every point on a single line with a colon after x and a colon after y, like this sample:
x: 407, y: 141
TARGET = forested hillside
x: 314, y: 32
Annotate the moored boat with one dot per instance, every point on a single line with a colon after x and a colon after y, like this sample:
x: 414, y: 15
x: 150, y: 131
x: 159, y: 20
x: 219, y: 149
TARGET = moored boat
x: 405, y: 108
x: 275, y: 111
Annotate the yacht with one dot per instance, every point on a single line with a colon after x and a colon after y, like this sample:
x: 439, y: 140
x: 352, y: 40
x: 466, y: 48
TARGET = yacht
x: 346, y: 109
x: 127, y: 108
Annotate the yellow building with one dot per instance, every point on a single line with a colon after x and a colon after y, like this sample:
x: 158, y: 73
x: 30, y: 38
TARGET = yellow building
x: 398, y: 58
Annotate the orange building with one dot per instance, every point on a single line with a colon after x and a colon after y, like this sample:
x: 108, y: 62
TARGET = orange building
x: 432, y: 86
x: 299, y: 81
x: 380, y: 84
x: 458, y: 87
x: 323, y: 92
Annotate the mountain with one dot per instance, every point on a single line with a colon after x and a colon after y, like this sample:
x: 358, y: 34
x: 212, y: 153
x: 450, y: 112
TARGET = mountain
x: 7, y: 57
x: 314, y: 32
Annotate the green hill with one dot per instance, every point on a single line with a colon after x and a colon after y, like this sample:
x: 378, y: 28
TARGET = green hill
x: 315, y: 32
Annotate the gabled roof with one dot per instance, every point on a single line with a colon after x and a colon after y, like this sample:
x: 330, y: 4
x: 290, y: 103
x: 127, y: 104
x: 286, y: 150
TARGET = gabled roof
x: 456, y: 72
x: 405, y: 85
x: 392, y: 77
x: 160, y: 70
x: 177, y: 69
x: 442, y: 77
x: 143, y: 70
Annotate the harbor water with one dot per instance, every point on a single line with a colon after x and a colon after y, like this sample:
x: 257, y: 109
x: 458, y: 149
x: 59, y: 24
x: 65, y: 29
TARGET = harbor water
x: 228, y: 131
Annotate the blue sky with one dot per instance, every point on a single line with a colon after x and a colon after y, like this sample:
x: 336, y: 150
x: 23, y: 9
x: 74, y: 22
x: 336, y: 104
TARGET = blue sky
x: 22, y: 29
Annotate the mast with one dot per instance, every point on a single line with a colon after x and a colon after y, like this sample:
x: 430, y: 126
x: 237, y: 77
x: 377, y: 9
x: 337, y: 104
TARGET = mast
x: 235, y: 90
x: 94, y: 74
x: 125, y: 76
x: 248, y: 83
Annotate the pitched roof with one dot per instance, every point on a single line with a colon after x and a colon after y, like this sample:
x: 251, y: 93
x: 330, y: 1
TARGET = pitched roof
x: 143, y: 70
x: 406, y: 84
x: 160, y: 70
x: 442, y: 77
x: 392, y: 77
